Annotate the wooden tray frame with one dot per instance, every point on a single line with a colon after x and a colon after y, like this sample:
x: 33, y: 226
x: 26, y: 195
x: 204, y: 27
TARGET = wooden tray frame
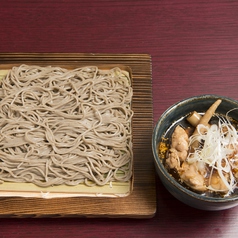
x: 141, y: 203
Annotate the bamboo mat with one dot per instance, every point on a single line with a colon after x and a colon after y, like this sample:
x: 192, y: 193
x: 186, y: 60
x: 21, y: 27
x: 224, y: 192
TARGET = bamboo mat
x: 141, y: 203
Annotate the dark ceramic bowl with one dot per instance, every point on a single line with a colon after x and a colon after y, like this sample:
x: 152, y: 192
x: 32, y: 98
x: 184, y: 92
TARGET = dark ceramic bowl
x: 166, y: 121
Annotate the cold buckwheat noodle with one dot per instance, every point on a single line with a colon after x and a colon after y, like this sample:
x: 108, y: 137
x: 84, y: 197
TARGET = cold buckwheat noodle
x: 60, y: 126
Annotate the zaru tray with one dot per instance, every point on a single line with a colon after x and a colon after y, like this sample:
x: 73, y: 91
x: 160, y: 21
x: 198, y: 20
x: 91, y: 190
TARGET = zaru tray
x: 141, y: 203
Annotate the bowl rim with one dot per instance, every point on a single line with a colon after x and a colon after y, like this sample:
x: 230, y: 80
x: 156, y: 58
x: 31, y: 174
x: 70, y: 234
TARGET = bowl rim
x: 161, y: 167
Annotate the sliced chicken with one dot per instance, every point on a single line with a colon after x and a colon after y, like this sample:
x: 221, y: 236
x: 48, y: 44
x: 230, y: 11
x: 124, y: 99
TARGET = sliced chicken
x: 179, y: 148
x: 173, y: 161
x: 193, y: 176
x: 180, y: 142
x: 216, y: 182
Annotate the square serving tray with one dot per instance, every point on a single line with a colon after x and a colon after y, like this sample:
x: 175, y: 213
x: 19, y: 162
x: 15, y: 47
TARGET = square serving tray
x: 141, y: 203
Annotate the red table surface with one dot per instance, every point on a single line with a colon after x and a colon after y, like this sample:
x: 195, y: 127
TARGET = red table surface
x: 194, y: 49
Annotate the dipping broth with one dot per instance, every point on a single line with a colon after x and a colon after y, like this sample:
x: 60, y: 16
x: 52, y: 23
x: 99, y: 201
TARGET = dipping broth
x: 164, y: 147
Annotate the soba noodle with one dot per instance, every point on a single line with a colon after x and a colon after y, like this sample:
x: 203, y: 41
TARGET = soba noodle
x: 61, y: 126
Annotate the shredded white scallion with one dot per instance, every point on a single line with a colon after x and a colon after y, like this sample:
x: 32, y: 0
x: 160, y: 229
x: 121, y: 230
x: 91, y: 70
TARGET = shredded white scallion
x: 219, y: 151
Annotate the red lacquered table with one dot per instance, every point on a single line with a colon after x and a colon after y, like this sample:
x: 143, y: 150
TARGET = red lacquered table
x: 194, y: 50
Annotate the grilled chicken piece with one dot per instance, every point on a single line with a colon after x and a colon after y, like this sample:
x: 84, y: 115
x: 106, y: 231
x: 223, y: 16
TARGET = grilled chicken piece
x: 217, y: 183
x: 193, y: 176
x: 179, y: 148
